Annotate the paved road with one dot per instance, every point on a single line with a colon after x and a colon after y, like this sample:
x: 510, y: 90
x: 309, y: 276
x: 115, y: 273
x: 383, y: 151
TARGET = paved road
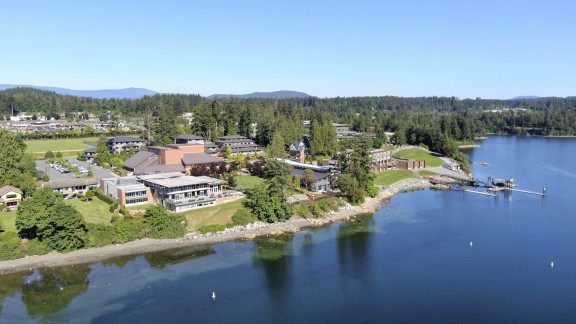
x: 54, y: 174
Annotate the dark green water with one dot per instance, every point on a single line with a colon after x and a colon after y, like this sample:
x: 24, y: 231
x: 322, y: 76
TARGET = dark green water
x: 409, y: 262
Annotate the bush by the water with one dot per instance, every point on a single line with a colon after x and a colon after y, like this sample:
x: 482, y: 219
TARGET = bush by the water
x: 316, y: 208
x: 13, y: 247
x: 243, y: 217
x: 213, y: 228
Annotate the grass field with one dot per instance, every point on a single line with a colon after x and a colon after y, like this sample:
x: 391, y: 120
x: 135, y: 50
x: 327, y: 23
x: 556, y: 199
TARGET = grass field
x: 7, y: 221
x: 247, y: 182
x: 419, y: 154
x: 221, y: 214
x: 95, y: 212
x: 59, y: 145
x: 386, y: 178
x: 426, y: 173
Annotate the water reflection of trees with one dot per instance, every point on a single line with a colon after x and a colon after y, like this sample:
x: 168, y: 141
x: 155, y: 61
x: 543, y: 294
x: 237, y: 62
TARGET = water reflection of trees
x: 354, y: 241
x: 46, y: 291
x: 120, y: 262
x: 273, y: 253
x: 54, y: 289
x: 163, y: 259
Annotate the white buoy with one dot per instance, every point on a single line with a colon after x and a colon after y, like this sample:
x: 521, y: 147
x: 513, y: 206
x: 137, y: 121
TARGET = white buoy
x: 552, y: 264
x: 471, y: 243
x: 213, y: 296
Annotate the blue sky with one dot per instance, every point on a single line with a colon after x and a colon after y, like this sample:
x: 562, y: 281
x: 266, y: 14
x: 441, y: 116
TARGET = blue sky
x: 467, y: 49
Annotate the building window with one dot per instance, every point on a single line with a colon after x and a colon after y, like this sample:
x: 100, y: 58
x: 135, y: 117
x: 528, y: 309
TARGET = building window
x: 12, y: 196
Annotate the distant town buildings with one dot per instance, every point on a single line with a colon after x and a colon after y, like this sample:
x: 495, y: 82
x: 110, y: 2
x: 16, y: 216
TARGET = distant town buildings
x: 239, y: 144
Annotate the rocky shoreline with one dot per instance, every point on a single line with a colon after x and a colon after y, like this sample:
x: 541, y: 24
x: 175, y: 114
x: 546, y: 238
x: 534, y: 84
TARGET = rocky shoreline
x: 247, y: 232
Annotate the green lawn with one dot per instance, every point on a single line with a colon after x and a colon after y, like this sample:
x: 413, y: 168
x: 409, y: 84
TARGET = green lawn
x: 419, y: 154
x: 56, y: 145
x: 221, y: 214
x: 95, y: 212
x: 426, y: 173
x: 386, y: 178
x: 7, y: 221
x: 247, y: 182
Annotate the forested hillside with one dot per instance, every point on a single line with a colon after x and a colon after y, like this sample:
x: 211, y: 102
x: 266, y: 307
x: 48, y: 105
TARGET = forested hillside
x: 415, y: 119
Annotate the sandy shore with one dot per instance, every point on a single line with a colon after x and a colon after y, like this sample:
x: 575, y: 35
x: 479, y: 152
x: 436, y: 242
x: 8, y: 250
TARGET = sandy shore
x: 90, y: 255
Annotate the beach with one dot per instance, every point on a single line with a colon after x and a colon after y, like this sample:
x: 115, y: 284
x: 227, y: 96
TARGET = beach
x: 250, y: 231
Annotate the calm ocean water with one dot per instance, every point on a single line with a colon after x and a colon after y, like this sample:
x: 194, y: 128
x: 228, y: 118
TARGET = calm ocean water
x: 410, y: 262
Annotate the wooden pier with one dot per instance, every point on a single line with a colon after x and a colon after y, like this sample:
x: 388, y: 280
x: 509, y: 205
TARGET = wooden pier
x: 480, y: 192
x: 529, y: 192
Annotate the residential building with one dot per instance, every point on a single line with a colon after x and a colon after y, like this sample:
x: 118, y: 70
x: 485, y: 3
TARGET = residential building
x: 125, y: 143
x: 11, y: 197
x: 382, y: 160
x: 322, y: 179
x: 170, y: 158
x: 239, y: 144
x: 129, y: 191
x: 188, y: 139
x: 71, y: 188
x: 89, y: 154
x: 174, y: 190
x: 406, y: 164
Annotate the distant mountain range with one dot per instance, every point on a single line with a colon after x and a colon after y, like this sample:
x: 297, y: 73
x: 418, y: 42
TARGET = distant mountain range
x: 275, y: 94
x: 137, y: 93
x: 128, y: 93
x: 525, y: 97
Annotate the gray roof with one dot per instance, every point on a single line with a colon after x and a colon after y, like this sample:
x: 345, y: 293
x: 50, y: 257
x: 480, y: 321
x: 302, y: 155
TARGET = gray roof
x: 318, y: 175
x: 176, y: 179
x: 90, y: 150
x: 163, y: 168
x: 139, y: 158
x: 199, y: 158
x: 57, y: 184
x: 123, y: 139
x: 229, y: 137
x: 189, y: 137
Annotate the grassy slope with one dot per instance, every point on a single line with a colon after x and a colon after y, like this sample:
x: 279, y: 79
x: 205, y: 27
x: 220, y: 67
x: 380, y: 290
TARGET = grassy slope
x: 419, y: 154
x: 55, y: 145
x: 221, y: 214
x: 7, y: 221
x: 425, y: 173
x: 386, y: 178
x: 247, y: 182
x: 96, y: 212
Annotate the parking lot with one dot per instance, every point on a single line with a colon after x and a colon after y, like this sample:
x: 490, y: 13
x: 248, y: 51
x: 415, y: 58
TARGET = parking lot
x: 57, y: 173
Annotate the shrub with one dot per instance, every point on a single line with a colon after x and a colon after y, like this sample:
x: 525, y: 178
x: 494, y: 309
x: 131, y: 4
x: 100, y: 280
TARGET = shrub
x: 101, y: 235
x: 113, y: 206
x: 243, y: 217
x: 49, y: 155
x: 59, y: 155
x: 107, y: 199
x: 213, y: 228
x: 10, y: 246
x: 124, y: 211
x: 35, y: 247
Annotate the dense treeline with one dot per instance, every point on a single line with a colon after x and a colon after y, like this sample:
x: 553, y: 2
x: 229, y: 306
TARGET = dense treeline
x: 418, y: 118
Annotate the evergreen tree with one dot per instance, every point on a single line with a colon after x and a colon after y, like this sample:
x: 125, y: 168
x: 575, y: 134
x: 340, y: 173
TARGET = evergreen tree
x: 16, y: 167
x: 102, y: 153
x: 276, y: 148
x: 165, y: 130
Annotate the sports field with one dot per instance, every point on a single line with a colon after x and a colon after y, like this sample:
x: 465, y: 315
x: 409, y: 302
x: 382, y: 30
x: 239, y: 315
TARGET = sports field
x: 60, y: 145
